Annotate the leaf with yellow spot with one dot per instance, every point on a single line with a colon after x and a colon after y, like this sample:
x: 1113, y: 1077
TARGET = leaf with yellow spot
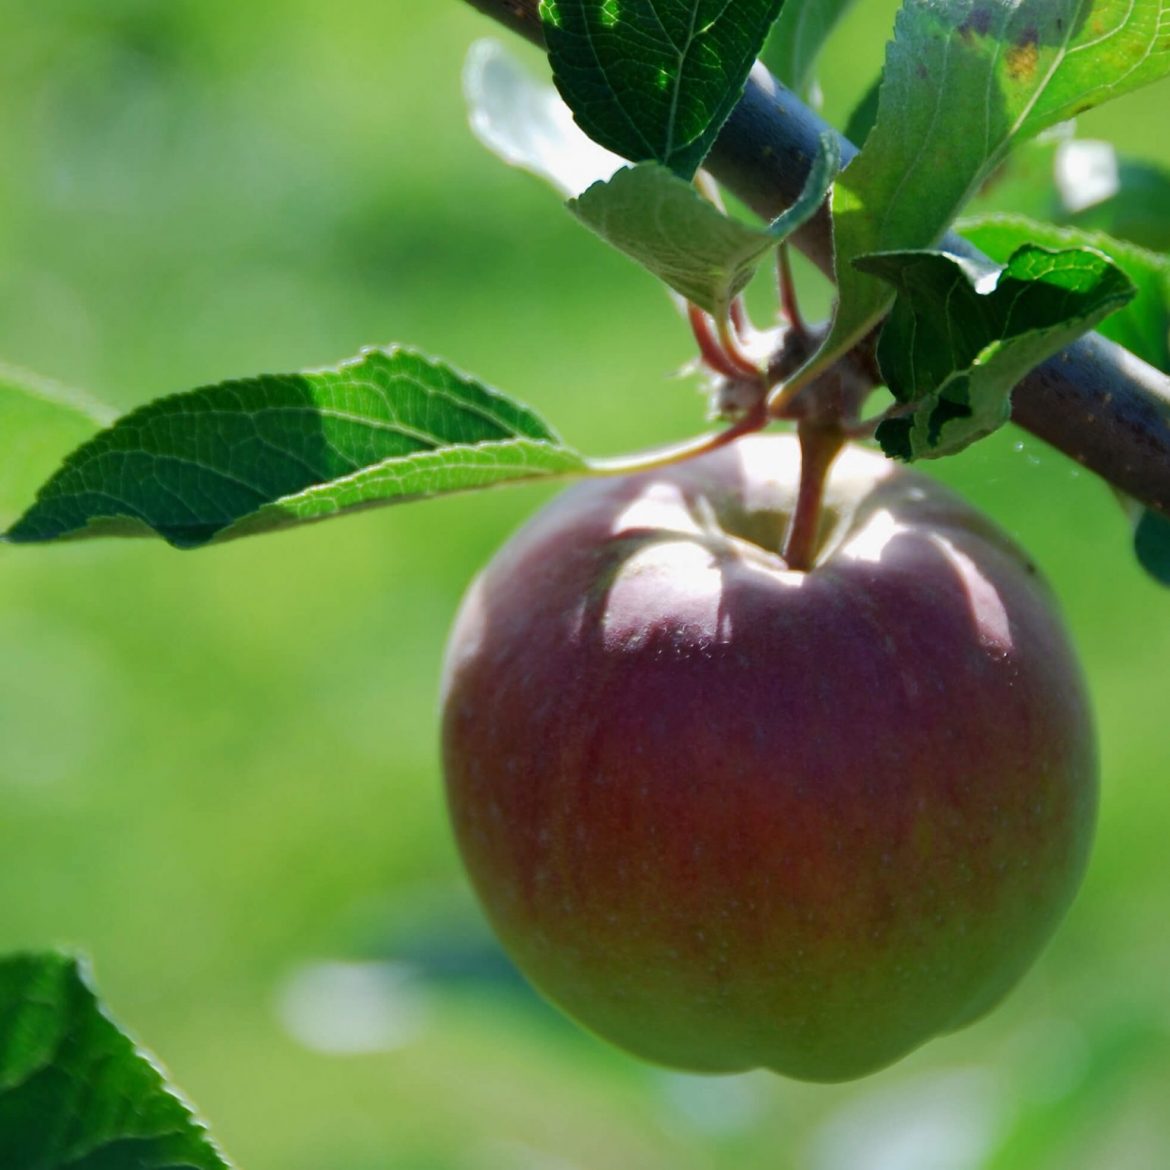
x: 964, y: 81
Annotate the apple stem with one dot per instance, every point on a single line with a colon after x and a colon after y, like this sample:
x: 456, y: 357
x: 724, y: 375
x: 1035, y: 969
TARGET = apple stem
x: 819, y: 447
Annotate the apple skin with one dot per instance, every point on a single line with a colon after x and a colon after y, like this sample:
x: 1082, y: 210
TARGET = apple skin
x: 729, y: 815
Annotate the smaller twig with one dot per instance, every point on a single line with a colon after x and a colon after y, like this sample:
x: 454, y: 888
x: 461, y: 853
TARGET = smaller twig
x: 710, y: 347
x: 754, y: 420
x: 745, y: 365
x: 740, y: 321
x: 741, y: 326
x: 789, y: 303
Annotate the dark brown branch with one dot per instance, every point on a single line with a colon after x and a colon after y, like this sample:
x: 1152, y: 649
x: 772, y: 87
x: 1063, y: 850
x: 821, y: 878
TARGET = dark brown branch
x: 1094, y: 401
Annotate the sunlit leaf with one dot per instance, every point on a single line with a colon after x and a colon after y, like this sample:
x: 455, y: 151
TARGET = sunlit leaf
x: 654, y: 80
x: 75, y: 1092
x: 963, y: 81
x: 959, y: 339
x: 1143, y: 325
x: 246, y: 456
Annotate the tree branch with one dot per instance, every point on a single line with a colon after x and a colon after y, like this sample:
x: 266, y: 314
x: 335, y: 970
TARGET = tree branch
x: 1095, y: 401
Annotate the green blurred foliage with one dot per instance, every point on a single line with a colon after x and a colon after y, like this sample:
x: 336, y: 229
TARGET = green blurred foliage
x: 219, y: 769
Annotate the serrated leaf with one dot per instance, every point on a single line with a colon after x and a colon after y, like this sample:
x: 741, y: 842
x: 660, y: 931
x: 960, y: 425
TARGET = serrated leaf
x: 1151, y: 543
x: 1143, y: 325
x: 964, y: 80
x: 40, y: 422
x: 75, y: 1092
x: 527, y: 124
x: 263, y: 453
x: 654, y: 80
x: 799, y: 35
x: 959, y: 337
x: 668, y: 227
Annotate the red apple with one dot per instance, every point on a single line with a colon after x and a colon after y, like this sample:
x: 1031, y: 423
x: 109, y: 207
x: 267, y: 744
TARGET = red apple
x: 731, y: 815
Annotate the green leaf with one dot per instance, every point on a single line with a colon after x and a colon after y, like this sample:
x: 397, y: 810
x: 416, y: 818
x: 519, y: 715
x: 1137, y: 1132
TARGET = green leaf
x: 963, y: 81
x: 654, y: 80
x: 385, y: 427
x: 40, y: 422
x: 960, y: 337
x: 1142, y: 326
x: 1151, y: 542
x: 669, y: 228
x: 75, y: 1092
x: 526, y: 123
x: 798, y: 37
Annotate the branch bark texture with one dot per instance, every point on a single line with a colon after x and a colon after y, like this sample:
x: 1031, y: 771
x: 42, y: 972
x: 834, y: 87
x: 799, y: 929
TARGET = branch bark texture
x: 1095, y: 401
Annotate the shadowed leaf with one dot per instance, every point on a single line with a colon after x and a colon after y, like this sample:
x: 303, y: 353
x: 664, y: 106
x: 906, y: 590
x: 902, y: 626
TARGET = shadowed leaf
x: 669, y: 228
x: 654, y: 80
x: 960, y: 338
x: 1143, y: 325
x: 75, y: 1092
x: 262, y: 453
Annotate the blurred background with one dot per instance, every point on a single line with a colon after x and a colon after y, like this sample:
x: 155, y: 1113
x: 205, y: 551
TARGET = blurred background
x: 218, y: 770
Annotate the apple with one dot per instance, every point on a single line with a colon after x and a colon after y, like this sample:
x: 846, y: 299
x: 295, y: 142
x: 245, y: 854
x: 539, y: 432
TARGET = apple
x: 731, y: 815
